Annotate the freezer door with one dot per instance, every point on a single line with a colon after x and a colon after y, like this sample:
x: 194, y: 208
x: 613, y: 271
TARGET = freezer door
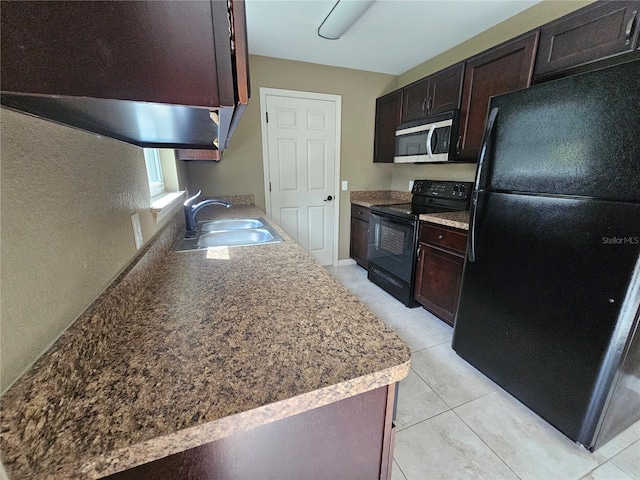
x: 540, y: 307
x: 573, y: 136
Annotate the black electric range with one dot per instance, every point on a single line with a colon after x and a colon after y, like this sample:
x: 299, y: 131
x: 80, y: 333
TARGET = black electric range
x: 393, y: 233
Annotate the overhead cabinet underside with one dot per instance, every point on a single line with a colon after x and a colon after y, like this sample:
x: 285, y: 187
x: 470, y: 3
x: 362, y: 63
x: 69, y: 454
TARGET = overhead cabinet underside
x: 154, y: 74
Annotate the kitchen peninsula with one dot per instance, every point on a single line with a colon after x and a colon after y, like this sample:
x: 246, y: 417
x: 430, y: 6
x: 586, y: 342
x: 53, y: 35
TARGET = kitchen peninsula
x: 189, y: 355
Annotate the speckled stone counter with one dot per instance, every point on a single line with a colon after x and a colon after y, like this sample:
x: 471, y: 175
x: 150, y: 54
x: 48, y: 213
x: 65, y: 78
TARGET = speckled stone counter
x: 450, y: 219
x: 369, y: 198
x: 200, y: 346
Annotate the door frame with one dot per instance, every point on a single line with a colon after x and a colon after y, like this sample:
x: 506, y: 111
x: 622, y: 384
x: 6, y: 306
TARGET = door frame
x: 337, y: 99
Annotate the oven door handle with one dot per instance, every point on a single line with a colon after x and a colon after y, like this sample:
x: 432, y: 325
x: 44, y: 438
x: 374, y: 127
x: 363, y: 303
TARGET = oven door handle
x: 376, y: 235
x: 429, y: 137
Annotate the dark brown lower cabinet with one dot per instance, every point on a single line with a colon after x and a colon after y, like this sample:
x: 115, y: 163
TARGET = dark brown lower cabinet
x: 351, y: 438
x: 359, y: 245
x: 439, y: 269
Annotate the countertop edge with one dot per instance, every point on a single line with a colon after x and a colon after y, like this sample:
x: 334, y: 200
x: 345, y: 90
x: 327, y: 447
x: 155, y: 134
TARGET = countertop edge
x: 154, y: 449
x: 447, y: 220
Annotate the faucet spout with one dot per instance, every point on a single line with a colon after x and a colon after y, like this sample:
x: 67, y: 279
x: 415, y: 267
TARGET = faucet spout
x: 191, y: 210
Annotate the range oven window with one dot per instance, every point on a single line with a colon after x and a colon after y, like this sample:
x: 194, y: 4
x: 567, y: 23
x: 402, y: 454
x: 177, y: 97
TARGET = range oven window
x: 391, y: 245
x: 392, y: 240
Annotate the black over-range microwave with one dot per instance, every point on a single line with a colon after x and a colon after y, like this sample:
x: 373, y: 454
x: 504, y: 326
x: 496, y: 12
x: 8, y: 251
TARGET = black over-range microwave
x: 428, y: 140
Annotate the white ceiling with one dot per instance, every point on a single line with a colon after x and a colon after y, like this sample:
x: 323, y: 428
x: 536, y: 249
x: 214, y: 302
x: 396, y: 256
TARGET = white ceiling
x: 392, y: 36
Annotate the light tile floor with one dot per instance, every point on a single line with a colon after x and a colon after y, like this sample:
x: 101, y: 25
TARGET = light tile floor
x: 455, y: 423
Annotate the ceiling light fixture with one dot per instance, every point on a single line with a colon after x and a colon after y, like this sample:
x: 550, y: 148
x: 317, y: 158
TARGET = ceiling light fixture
x: 341, y: 17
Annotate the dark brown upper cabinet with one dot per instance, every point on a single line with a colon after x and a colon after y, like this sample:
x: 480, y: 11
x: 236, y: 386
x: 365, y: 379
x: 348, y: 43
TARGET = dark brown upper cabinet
x: 154, y: 74
x: 600, y: 31
x: 502, y: 69
x: 388, y: 110
x: 434, y: 94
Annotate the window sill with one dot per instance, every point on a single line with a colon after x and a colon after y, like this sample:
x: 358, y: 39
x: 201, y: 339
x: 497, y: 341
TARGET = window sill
x: 164, y: 203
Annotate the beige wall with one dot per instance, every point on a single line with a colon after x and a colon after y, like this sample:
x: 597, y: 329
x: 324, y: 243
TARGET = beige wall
x: 67, y: 198
x: 525, y: 21
x: 241, y: 171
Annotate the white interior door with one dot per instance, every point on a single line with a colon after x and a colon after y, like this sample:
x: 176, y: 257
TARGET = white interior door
x: 301, y: 152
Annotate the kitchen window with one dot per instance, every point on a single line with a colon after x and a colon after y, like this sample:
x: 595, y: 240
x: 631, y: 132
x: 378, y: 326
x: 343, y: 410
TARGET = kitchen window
x: 154, y: 171
x: 164, y: 184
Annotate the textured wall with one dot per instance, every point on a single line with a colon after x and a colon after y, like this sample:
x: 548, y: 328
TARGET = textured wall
x: 241, y: 171
x: 67, y: 198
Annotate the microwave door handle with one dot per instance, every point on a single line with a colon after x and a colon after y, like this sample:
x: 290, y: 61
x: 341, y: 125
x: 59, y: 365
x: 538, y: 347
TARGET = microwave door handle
x: 429, y: 137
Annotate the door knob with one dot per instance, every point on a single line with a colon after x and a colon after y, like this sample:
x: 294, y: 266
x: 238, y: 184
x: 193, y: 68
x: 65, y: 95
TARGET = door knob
x: 328, y: 199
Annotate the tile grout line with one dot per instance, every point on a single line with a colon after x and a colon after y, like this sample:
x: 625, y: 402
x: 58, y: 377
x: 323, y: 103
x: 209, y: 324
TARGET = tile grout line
x: 399, y: 468
x: 488, y: 446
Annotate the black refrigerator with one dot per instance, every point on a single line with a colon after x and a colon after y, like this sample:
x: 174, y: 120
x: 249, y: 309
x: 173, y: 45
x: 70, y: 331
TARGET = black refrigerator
x: 551, y: 285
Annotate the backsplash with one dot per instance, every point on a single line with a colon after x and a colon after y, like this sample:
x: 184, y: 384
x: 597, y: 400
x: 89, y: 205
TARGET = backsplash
x: 378, y: 194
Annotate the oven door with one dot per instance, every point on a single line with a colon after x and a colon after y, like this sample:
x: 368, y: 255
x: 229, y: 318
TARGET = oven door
x: 392, y: 247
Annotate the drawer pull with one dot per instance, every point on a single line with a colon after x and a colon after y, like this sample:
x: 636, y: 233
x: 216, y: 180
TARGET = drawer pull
x: 440, y: 237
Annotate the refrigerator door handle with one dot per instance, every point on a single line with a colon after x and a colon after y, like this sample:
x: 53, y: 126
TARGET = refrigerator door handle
x: 471, y: 254
x: 486, y: 143
x: 478, y: 188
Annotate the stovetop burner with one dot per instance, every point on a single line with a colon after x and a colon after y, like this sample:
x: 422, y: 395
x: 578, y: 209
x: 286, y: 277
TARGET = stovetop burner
x: 431, y: 196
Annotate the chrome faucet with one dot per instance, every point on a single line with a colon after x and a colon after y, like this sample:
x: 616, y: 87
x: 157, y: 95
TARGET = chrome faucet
x: 190, y: 211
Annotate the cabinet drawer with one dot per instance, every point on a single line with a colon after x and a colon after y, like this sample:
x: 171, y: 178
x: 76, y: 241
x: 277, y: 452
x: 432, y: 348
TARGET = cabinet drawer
x: 359, y: 212
x: 445, y: 237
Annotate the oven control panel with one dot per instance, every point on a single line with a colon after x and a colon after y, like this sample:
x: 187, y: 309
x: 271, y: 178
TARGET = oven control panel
x: 441, y: 188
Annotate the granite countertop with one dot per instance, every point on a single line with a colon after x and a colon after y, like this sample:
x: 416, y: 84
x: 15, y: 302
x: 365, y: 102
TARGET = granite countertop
x: 450, y: 219
x: 215, y: 342
x: 391, y: 197
x: 369, y: 198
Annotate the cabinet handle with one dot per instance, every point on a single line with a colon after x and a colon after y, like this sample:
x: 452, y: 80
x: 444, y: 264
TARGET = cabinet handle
x: 429, y: 104
x: 629, y: 29
x: 424, y: 105
x: 458, y: 144
x: 418, y: 252
x: 440, y: 237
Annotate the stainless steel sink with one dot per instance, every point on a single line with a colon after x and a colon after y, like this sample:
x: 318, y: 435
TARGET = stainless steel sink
x: 231, y: 224
x: 232, y: 232
x: 230, y: 238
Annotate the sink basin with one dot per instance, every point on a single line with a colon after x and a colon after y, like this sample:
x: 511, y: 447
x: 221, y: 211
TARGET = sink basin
x: 230, y: 232
x: 231, y: 224
x: 249, y: 236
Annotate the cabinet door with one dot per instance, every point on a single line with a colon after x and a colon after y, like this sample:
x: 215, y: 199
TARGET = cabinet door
x: 388, y: 110
x: 416, y: 98
x: 596, y: 32
x: 500, y: 70
x: 359, y: 241
x: 445, y: 90
x: 121, y: 50
x: 438, y: 281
